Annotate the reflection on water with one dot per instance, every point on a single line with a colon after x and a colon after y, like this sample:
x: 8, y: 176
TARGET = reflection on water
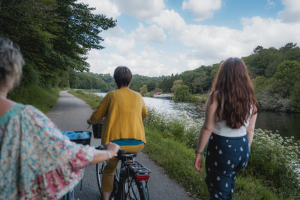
x: 287, y: 124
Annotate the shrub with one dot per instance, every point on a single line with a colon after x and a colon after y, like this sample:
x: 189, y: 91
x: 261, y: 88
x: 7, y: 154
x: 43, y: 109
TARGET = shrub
x: 275, y: 160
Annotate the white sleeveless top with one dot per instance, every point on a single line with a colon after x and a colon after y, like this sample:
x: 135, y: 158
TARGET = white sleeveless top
x: 220, y: 128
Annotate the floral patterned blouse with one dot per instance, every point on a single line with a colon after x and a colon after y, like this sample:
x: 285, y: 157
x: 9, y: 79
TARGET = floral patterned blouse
x: 36, y: 160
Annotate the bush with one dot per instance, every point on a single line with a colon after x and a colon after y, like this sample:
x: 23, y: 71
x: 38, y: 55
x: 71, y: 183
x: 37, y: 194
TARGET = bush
x: 180, y: 127
x: 274, y: 159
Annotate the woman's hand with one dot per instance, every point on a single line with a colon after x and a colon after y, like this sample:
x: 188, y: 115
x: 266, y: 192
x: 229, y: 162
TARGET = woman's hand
x: 198, y: 163
x: 112, y: 148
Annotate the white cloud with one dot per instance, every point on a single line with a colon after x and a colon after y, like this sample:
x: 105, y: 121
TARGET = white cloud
x: 214, y: 43
x: 202, y: 9
x: 103, y: 7
x: 150, y: 34
x: 270, y: 4
x: 142, y: 9
x: 124, y: 45
x: 171, y: 20
x: 291, y: 11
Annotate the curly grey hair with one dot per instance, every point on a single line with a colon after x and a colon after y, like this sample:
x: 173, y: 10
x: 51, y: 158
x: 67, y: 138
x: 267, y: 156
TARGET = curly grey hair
x: 11, y: 63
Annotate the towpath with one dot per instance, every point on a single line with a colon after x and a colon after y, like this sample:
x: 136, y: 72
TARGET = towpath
x: 71, y: 113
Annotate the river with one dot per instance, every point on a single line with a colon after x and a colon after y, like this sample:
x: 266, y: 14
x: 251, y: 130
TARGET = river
x: 287, y: 125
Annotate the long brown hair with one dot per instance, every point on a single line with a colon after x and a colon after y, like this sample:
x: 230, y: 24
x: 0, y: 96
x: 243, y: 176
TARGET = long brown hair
x: 235, y: 92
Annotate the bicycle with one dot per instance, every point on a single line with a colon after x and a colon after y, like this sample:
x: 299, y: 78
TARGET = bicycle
x: 130, y: 181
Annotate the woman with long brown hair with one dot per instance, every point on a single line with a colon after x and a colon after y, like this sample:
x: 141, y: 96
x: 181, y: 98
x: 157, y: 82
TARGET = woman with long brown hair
x: 228, y: 128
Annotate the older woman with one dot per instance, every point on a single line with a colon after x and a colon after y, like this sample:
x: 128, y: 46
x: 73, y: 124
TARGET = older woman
x: 124, y: 110
x: 36, y: 160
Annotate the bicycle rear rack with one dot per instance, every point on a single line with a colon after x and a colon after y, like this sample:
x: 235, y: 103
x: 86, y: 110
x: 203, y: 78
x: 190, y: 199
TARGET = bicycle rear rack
x: 139, y: 171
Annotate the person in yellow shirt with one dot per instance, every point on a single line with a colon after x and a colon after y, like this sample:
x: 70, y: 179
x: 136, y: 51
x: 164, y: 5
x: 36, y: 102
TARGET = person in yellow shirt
x: 123, y: 110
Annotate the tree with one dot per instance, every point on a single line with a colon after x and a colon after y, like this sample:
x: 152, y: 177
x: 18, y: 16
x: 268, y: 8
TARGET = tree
x: 143, y: 90
x: 288, y: 73
x: 295, y: 96
x: 150, y: 85
x: 54, y: 36
x: 177, y: 84
x: 182, y: 93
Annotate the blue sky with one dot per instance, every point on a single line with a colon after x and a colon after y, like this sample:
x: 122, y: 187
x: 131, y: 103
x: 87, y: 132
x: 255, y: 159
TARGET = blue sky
x: 161, y: 37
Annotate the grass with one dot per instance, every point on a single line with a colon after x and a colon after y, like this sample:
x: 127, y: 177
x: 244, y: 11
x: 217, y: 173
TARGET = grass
x: 42, y: 98
x: 178, y: 161
x: 90, y: 98
x: 165, y: 146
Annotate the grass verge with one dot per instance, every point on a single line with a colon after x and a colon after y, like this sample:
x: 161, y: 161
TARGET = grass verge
x: 89, y: 97
x: 178, y: 160
x: 179, y: 164
x: 42, y: 98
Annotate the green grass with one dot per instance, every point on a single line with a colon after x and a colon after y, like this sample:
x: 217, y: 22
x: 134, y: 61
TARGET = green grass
x: 170, y: 145
x: 42, y: 98
x: 89, y: 97
x: 179, y: 164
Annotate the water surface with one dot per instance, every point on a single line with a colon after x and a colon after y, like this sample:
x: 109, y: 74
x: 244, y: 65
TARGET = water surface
x: 287, y: 125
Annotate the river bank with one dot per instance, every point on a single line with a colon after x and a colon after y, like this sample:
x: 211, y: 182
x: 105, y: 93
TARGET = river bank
x: 171, y: 140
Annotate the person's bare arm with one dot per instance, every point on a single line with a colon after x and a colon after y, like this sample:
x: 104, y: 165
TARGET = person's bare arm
x: 250, y: 128
x: 110, y: 151
x: 206, y: 130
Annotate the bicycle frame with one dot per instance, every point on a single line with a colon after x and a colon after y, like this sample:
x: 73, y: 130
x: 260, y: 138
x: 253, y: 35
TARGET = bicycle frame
x: 138, y: 172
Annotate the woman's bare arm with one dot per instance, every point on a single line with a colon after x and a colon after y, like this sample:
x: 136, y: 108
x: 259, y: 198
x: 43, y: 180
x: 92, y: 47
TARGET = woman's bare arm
x: 206, y: 130
x: 250, y: 128
x: 110, y: 151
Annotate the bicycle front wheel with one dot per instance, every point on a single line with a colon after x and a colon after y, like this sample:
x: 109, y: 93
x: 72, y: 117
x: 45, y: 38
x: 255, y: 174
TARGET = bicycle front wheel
x: 136, y: 190
x: 99, y: 172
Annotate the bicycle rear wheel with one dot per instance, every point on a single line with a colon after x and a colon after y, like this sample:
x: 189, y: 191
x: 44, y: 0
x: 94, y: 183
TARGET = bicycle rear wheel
x: 136, y: 190
x: 99, y: 172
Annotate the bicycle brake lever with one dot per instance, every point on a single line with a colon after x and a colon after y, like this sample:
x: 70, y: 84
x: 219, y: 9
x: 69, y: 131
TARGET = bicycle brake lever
x: 89, y: 126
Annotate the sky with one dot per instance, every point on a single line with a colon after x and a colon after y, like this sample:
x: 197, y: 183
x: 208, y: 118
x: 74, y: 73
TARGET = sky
x: 161, y: 37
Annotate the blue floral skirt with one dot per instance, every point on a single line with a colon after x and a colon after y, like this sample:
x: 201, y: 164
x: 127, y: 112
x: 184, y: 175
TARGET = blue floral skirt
x: 225, y: 157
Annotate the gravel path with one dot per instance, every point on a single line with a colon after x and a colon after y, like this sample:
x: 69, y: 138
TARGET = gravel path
x: 71, y: 113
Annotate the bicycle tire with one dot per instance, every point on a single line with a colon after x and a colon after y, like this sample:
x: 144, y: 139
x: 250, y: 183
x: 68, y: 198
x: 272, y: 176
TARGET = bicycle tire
x: 136, y: 190
x: 99, y: 172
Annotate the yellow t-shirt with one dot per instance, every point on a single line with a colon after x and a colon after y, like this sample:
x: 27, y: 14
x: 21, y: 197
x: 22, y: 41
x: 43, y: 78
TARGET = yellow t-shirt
x: 123, y: 110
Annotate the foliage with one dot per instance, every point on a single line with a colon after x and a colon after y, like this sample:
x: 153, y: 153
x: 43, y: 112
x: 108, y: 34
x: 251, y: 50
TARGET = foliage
x: 182, y: 94
x: 143, y: 90
x: 42, y: 98
x: 176, y: 84
x: 157, y: 90
x: 163, y: 139
x: 54, y: 36
x: 176, y: 153
x: 295, y: 96
x: 259, y: 83
x: 90, y: 98
x: 275, y: 160
x: 288, y: 73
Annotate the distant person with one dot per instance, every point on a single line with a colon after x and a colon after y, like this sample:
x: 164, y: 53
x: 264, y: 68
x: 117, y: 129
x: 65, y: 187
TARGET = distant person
x: 123, y: 110
x: 228, y: 128
x: 36, y: 160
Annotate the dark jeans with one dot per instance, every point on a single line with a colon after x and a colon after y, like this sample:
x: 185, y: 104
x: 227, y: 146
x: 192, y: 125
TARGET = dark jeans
x: 225, y: 157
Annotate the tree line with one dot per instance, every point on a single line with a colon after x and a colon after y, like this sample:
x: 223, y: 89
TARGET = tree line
x: 275, y: 74
x: 54, y: 37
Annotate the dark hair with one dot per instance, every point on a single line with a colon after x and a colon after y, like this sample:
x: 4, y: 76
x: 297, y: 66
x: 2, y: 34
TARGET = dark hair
x: 122, y: 76
x: 235, y: 92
